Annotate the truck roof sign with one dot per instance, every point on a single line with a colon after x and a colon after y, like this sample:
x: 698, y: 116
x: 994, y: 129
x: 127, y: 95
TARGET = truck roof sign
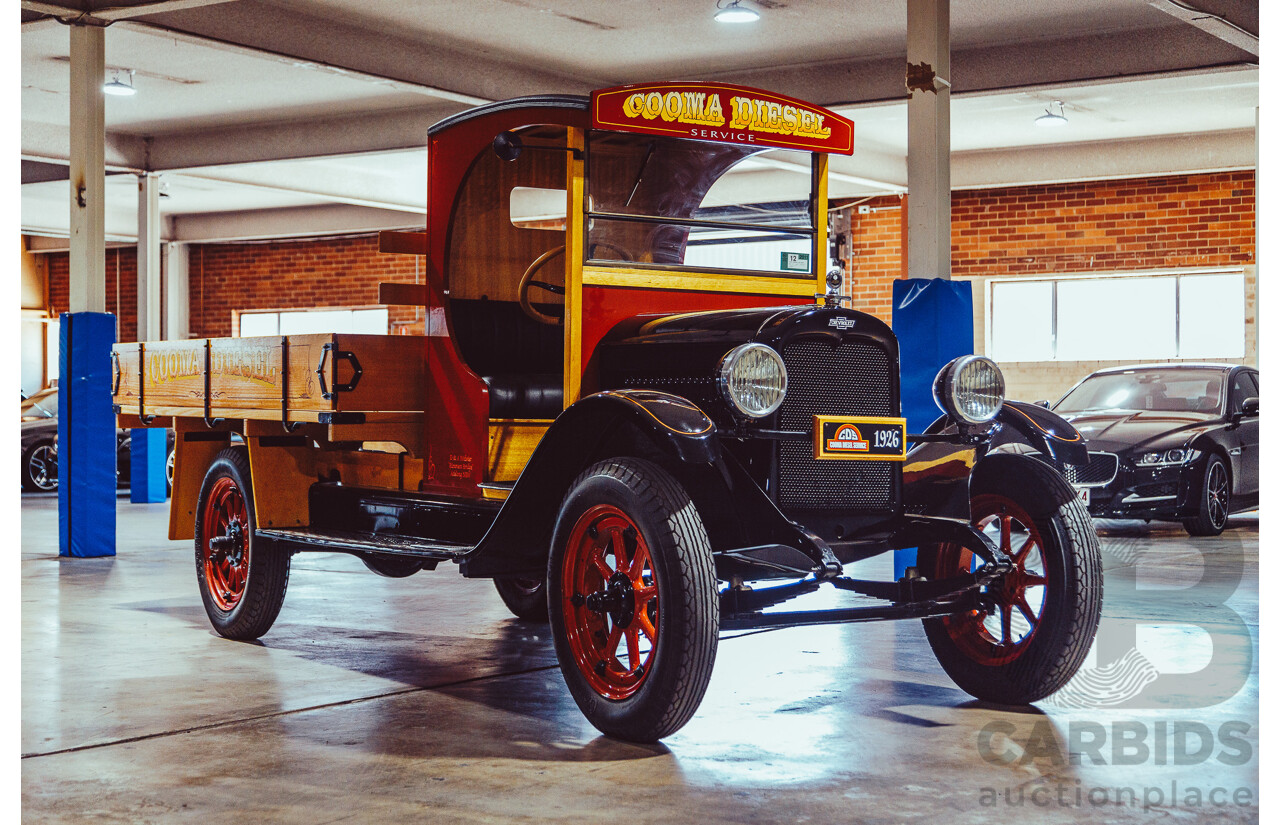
x: 721, y: 113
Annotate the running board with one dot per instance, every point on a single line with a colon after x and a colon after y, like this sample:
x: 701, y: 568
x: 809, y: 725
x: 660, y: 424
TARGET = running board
x: 343, y: 541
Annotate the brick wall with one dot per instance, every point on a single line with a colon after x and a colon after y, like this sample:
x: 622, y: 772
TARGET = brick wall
x: 337, y: 272
x: 122, y: 292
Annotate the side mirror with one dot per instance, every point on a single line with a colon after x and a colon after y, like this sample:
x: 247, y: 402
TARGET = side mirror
x: 1041, y: 403
x: 508, y: 146
x: 1249, y: 406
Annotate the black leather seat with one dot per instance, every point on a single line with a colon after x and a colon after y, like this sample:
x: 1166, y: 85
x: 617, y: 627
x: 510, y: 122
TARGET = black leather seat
x: 525, y: 396
x: 520, y: 359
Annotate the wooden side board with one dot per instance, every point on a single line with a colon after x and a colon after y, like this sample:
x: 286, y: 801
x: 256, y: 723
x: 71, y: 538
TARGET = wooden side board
x: 270, y: 377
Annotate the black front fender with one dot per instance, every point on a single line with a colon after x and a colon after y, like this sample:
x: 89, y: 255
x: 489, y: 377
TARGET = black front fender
x: 1046, y: 431
x: 659, y: 426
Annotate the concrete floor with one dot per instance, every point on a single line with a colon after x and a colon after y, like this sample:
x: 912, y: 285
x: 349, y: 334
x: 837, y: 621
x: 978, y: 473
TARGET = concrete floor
x: 420, y: 699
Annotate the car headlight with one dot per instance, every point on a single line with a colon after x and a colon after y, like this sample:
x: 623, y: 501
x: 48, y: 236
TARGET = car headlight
x: 1168, y: 458
x: 753, y: 379
x: 970, y: 388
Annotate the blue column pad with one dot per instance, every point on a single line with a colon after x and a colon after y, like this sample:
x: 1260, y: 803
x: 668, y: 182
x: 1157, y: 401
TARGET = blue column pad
x: 86, y: 436
x: 933, y: 320
x: 147, y: 456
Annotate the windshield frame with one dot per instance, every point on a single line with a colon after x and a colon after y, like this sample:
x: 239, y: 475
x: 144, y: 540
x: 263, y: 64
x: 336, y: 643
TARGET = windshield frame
x: 813, y: 210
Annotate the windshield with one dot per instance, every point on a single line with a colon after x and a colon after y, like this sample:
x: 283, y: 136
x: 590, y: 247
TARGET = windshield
x: 667, y: 202
x: 43, y: 404
x: 1171, y: 390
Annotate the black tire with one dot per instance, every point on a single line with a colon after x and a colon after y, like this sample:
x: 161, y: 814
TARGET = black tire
x: 525, y: 598
x: 242, y: 585
x: 1214, y: 501
x: 392, y: 567
x: 168, y: 471
x: 1060, y: 547
x: 671, y: 590
x: 40, y: 467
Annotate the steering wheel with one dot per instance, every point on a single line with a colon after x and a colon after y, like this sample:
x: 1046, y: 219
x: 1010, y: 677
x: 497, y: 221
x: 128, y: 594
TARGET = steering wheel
x: 527, y: 282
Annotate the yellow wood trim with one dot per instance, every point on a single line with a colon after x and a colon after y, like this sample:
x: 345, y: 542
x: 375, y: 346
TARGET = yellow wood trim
x: 820, y: 224
x: 574, y: 247
x: 191, y: 462
x: 511, y: 443
x: 694, y: 281
x: 281, y: 478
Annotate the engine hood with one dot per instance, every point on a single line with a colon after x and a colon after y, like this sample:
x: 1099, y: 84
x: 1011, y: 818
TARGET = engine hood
x: 1121, y: 430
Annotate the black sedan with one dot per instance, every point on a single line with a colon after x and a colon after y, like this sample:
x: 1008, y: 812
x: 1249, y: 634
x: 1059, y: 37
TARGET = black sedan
x: 1171, y: 442
x: 40, y: 445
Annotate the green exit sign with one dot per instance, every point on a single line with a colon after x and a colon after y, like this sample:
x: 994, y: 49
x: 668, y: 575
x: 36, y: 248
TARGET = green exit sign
x: 795, y: 261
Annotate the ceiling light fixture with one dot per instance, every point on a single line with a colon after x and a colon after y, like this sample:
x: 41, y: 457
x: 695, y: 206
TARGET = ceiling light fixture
x: 1050, y: 119
x: 118, y: 87
x: 735, y: 13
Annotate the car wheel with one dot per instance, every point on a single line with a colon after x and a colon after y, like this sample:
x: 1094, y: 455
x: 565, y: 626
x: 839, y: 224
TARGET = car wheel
x: 632, y: 600
x: 525, y: 598
x: 168, y: 472
x: 390, y: 566
x: 1215, y: 500
x: 40, y: 467
x: 241, y: 584
x: 1041, y: 619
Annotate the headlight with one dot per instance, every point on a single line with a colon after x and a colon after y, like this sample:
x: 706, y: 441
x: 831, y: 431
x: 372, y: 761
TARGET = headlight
x: 753, y: 379
x: 1168, y: 458
x: 970, y: 388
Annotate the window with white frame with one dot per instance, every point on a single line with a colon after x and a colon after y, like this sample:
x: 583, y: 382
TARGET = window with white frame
x: 1151, y: 316
x: 370, y: 321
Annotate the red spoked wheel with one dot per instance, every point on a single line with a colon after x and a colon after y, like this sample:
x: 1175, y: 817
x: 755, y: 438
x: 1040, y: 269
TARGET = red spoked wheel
x: 242, y: 582
x: 609, y: 601
x: 999, y: 637
x: 632, y: 599
x: 1038, y: 621
x: 226, y: 548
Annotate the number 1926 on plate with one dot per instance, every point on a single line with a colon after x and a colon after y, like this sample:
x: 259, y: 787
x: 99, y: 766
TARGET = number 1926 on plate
x: 857, y: 437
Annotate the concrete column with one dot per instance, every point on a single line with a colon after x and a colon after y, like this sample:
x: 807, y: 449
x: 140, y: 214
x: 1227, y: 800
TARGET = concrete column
x: 88, y: 283
x: 177, y: 315
x: 150, y: 311
x: 929, y: 138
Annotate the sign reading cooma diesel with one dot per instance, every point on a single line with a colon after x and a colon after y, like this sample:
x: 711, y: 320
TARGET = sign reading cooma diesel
x: 721, y: 113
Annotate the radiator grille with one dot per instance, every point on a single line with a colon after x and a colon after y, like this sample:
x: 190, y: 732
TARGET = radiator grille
x: 855, y: 378
x: 1099, y: 472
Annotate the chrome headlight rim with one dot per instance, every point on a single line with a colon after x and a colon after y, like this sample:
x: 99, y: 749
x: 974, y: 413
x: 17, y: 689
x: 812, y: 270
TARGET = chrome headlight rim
x: 724, y: 376
x: 944, y: 389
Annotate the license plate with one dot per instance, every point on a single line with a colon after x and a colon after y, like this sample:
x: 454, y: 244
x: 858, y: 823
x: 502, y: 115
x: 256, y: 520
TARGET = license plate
x: 1082, y: 493
x: 854, y: 437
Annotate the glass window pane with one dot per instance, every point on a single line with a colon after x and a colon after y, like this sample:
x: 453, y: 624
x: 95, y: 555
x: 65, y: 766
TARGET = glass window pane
x: 1113, y: 319
x: 52, y: 334
x: 533, y: 208
x: 1212, y: 316
x: 311, y: 321
x: 1022, y: 321
x: 369, y: 321
x: 259, y: 323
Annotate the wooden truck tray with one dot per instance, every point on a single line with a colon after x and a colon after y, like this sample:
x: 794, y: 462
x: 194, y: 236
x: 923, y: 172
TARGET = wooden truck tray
x: 291, y: 378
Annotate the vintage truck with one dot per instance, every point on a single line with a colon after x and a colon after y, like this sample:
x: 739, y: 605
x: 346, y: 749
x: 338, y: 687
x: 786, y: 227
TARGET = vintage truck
x: 669, y: 438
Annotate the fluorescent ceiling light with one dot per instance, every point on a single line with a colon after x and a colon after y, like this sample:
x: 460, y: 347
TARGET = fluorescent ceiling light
x: 118, y: 87
x: 1050, y: 119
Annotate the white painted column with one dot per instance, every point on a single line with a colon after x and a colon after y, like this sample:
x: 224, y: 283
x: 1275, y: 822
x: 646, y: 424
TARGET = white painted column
x: 88, y: 281
x: 929, y: 139
x: 150, y: 311
x: 177, y: 316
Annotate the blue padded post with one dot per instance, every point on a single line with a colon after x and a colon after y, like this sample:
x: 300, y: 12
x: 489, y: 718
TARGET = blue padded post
x: 86, y: 436
x: 933, y: 319
x: 147, y: 456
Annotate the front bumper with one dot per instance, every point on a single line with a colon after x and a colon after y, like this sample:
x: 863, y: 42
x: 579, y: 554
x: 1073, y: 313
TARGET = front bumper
x: 1148, y: 492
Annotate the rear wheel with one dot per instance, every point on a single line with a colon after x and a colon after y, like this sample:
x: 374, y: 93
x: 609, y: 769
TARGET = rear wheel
x: 1215, y: 500
x: 633, y: 600
x: 1041, y: 619
x: 525, y: 598
x: 40, y: 467
x: 242, y: 585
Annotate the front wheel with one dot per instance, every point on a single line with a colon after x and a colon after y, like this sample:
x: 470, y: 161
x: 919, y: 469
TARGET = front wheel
x: 525, y: 598
x: 1214, y: 501
x: 1039, y: 621
x: 242, y: 584
x: 633, y: 603
x: 40, y: 467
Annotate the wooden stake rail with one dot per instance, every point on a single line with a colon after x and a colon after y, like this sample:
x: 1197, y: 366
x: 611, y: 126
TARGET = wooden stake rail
x: 325, y: 378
